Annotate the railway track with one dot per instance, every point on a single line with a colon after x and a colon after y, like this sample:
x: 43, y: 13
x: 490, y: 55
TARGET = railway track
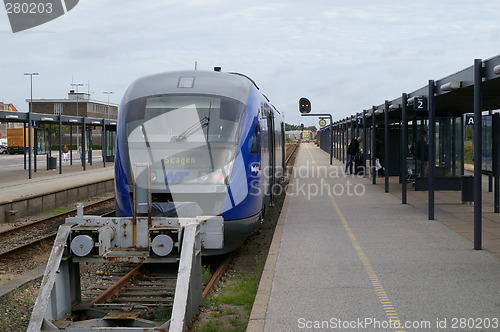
x: 45, y: 229
x: 132, y: 291
x: 289, y: 151
x: 30, y: 234
x: 138, y: 291
x: 127, y: 291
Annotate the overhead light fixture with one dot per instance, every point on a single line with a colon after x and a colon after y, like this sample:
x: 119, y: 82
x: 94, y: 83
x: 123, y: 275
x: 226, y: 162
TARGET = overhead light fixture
x: 73, y: 120
x: 450, y: 86
x: 496, y: 70
x: 47, y: 119
x: 393, y: 107
x: 411, y: 100
x: 12, y: 117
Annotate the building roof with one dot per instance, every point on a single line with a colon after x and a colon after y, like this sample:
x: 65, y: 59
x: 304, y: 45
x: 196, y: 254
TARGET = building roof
x: 7, y: 107
x: 71, y: 101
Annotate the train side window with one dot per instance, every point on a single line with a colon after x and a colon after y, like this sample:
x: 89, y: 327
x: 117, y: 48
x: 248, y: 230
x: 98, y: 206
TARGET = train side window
x: 256, y: 141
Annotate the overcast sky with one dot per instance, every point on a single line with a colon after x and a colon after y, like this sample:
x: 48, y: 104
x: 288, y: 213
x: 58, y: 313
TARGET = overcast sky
x: 345, y: 56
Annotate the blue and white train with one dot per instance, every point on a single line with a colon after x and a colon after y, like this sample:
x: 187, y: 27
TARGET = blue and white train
x: 212, y: 143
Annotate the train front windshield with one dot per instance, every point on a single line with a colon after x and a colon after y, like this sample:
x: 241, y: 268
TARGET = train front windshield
x: 187, y: 139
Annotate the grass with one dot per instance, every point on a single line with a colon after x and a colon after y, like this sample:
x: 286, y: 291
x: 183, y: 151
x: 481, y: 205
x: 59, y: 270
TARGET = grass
x: 238, y: 324
x: 206, y: 274
x: 55, y: 211
x: 232, y: 305
x: 213, y: 326
x: 240, y: 293
x: 60, y: 210
x: 242, y: 288
x: 468, y: 154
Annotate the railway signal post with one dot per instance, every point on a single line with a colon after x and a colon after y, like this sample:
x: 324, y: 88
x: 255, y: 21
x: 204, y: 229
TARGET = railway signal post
x: 305, y: 109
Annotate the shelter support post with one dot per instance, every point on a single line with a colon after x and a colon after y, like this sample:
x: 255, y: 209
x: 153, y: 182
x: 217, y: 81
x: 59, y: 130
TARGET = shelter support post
x: 432, y: 147
x: 386, y: 146
x: 373, y: 152
x: 404, y: 149
x: 496, y: 160
x: 478, y: 76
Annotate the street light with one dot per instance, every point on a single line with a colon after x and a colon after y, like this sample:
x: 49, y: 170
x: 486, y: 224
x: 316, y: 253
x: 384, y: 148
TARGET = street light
x: 108, y: 93
x: 29, y: 122
x: 77, y: 97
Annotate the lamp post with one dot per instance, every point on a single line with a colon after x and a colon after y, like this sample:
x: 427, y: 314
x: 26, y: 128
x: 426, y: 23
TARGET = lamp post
x: 108, y: 93
x: 77, y: 97
x: 29, y: 121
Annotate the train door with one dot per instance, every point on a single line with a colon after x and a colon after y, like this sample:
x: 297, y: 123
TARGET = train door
x: 272, y: 152
x: 283, y: 154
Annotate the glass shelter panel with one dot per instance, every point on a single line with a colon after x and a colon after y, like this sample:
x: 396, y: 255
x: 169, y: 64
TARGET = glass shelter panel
x: 487, y: 144
x: 420, y: 147
x: 448, y: 147
x: 110, y: 145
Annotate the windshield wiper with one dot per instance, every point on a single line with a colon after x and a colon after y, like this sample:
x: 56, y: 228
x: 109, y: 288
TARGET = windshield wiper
x: 191, y: 130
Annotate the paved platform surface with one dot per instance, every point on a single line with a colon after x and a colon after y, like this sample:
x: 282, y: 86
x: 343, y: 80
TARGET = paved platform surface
x: 347, y: 256
x: 15, y: 184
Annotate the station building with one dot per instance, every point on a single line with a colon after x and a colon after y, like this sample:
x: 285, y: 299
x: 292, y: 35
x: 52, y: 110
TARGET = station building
x: 85, y: 125
x: 77, y: 104
x: 5, y: 126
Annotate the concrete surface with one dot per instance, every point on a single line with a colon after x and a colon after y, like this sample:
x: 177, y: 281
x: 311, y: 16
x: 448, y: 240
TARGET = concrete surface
x: 363, y: 261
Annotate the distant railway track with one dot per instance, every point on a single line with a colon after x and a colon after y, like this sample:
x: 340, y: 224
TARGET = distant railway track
x: 289, y: 151
x: 29, y: 234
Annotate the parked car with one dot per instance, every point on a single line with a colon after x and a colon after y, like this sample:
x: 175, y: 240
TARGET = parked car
x: 3, y: 149
x: 16, y: 149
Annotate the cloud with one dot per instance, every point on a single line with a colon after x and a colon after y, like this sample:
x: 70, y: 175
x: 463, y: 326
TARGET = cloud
x: 343, y: 56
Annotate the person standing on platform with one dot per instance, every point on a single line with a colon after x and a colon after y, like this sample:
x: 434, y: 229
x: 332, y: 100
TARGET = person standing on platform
x: 352, y: 149
x: 380, y: 155
x: 422, y: 155
x: 65, y: 153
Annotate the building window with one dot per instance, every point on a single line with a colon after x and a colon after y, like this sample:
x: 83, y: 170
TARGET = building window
x: 58, y: 109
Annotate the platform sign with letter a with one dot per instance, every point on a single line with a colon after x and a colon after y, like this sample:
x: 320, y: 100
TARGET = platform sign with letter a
x: 469, y: 119
x: 420, y: 104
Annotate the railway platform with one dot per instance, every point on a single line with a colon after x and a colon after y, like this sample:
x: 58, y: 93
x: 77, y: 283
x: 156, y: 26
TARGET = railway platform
x: 47, y: 189
x: 347, y: 256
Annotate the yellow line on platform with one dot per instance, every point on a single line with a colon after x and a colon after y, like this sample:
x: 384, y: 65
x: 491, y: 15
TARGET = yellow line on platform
x: 382, y: 295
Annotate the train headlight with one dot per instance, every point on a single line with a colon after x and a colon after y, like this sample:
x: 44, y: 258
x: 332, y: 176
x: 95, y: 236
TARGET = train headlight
x: 162, y: 245
x: 82, y: 245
